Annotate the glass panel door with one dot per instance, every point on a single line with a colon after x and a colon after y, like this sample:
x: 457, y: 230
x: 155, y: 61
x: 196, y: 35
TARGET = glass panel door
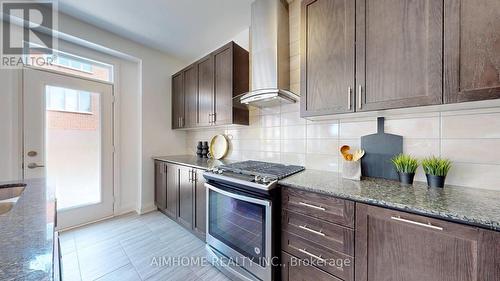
x: 68, y: 140
x: 239, y: 224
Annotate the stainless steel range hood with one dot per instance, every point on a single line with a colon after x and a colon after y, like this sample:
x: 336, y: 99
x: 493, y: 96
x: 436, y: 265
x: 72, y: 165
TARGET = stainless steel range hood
x: 270, y: 54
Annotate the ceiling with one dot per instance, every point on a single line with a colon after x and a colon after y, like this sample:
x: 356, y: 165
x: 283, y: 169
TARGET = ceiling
x: 187, y: 29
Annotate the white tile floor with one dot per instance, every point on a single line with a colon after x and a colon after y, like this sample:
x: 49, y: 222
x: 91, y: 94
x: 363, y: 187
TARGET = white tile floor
x: 129, y: 247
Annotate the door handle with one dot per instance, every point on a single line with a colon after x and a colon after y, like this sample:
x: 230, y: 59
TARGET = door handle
x: 360, y: 96
x: 428, y: 225
x: 35, y: 165
x: 349, y: 93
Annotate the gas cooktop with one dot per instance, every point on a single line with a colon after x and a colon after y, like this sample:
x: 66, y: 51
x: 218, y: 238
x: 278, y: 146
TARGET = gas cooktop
x: 255, y: 174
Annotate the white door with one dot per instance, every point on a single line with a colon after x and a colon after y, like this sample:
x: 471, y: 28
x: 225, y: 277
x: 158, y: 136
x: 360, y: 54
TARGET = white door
x: 68, y: 139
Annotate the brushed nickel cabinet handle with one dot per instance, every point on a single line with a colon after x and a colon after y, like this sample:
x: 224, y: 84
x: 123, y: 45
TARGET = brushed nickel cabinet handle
x: 360, y: 95
x: 312, y: 206
x: 304, y: 251
x: 349, y: 95
x: 214, y: 117
x: 210, y: 118
x: 304, y: 227
x: 428, y: 225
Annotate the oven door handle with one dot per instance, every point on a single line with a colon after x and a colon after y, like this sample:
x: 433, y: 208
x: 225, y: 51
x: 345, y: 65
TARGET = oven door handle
x: 238, y: 196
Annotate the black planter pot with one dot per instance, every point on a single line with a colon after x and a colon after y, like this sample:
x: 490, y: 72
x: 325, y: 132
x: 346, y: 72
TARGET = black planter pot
x: 406, y: 178
x: 435, y: 181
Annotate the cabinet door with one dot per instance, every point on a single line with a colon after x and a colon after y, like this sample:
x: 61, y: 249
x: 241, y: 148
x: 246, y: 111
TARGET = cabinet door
x: 472, y: 50
x: 160, y: 185
x: 177, y: 100
x: 172, y: 190
x: 191, y: 97
x: 185, y: 210
x: 395, y: 246
x: 206, y: 90
x: 398, y: 53
x: 295, y: 270
x: 200, y: 204
x: 224, y: 86
x: 327, y: 81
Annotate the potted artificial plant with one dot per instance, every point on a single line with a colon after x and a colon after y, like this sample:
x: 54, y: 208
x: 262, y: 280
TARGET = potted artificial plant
x: 436, y: 169
x: 405, y: 165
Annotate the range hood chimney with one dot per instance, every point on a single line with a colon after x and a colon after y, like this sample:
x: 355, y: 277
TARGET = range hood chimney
x: 270, y: 53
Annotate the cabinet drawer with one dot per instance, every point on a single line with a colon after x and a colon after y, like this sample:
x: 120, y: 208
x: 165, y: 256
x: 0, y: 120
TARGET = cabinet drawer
x: 295, y: 271
x: 324, y: 233
x: 319, y: 206
x: 333, y: 262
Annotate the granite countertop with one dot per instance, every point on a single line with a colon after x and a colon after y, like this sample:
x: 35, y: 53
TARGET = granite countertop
x: 193, y: 161
x: 27, y: 234
x: 477, y: 207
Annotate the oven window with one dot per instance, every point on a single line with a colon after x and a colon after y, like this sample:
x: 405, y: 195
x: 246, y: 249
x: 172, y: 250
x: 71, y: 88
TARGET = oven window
x: 238, y: 224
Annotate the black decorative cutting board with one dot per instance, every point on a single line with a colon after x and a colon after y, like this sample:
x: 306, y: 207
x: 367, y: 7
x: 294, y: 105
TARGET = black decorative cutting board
x: 380, y: 148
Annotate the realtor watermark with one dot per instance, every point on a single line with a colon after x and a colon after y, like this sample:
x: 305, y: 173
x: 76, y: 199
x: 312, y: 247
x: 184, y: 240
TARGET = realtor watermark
x: 28, y: 33
x: 176, y: 261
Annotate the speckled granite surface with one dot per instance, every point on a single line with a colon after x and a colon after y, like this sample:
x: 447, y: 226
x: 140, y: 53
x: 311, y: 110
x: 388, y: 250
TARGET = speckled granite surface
x: 475, y: 207
x: 27, y: 235
x: 192, y: 161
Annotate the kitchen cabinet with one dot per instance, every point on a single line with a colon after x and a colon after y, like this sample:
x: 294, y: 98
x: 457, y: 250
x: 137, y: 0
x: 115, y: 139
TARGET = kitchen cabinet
x: 327, y: 68
x: 185, y: 209
x: 472, y: 50
x: 191, y: 96
x: 172, y: 190
x: 210, y: 87
x: 200, y: 204
x: 178, y: 100
x: 160, y: 185
x: 206, y: 101
x: 393, y: 245
x: 292, y: 270
x: 180, y: 193
x: 399, y: 59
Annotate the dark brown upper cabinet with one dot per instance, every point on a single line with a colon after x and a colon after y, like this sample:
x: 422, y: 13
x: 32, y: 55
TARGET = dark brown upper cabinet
x: 191, y: 97
x: 327, y: 52
x: 206, y: 98
x: 472, y: 50
x: 393, y: 245
x: 398, y: 53
x: 210, y: 86
x: 178, y: 100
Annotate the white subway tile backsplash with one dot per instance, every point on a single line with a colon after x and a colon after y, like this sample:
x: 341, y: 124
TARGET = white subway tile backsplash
x: 279, y: 134
x: 424, y: 128
x: 476, y: 175
x: 357, y: 129
x: 293, y: 132
x: 471, y: 126
x: 319, y: 131
x: 295, y: 146
x: 322, y: 162
x: 323, y: 146
x: 484, y: 151
x: 421, y: 148
x: 291, y: 118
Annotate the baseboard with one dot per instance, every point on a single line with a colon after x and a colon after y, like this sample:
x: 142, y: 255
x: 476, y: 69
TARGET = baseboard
x: 126, y: 209
x: 147, y: 209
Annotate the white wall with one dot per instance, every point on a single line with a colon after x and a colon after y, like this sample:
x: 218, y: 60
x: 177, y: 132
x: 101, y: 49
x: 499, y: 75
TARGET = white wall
x: 144, y: 109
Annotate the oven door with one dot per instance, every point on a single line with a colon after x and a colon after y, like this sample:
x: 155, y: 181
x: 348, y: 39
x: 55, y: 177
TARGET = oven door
x: 239, y: 227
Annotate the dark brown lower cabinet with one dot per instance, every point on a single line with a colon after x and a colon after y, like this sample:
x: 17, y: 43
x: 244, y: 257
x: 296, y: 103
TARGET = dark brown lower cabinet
x: 293, y: 269
x: 185, y: 214
x: 180, y: 194
x: 395, y: 246
x: 200, y: 204
x: 160, y: 185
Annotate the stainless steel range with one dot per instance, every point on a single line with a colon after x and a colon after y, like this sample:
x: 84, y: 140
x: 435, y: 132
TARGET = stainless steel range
x: 243, y: 218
